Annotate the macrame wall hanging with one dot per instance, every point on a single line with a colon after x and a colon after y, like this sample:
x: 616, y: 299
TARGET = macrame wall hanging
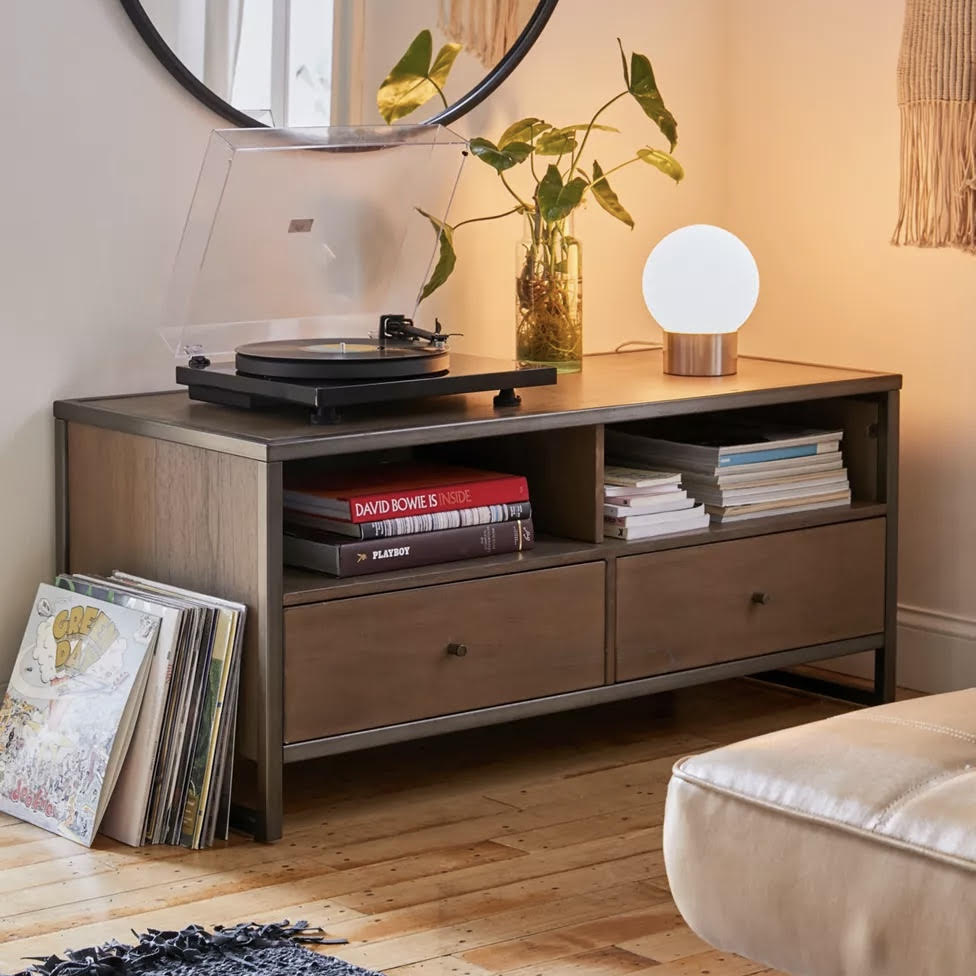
x: 486, y: 28
x: 937, y: 98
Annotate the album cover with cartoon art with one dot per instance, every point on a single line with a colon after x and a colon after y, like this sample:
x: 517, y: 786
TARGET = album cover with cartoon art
x: 70, y: 708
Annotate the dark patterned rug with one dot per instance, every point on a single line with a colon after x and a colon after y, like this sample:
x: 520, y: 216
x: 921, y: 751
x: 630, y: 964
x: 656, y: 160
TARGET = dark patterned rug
x: 238, y: 950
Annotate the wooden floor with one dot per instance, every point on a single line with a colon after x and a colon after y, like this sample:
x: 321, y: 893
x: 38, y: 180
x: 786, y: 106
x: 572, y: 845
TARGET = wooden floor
x: 530, y: 849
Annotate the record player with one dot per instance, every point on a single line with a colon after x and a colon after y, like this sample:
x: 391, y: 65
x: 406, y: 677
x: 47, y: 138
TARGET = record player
x: 300, y: 271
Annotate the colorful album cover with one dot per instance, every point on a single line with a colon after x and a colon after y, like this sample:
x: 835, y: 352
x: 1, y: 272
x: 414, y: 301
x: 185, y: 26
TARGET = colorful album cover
x: 69, y: 710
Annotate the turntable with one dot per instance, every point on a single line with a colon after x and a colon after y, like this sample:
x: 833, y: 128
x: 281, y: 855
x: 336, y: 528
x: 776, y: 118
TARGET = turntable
x: 300, y: 251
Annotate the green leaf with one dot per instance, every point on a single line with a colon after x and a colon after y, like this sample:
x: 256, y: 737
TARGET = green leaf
x: 623, y: 61
x: 665, y: 163
x: 583, y: 126
x: 556, y: 142
x: 643, y: 87
x: 446, y: 259
x: 525, y: 130
x: 607, y: 198
x: 556, y: 201
x: 500, y: 159
x: 443, y: 63
x: 412, y: 81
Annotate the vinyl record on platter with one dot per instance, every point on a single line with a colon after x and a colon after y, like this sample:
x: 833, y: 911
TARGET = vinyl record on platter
x: 340, y: 359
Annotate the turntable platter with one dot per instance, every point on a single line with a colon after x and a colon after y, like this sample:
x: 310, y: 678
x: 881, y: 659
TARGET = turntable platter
x: 341, y: 358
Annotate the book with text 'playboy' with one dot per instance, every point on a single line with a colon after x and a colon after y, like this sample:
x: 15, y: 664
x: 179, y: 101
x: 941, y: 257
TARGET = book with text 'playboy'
x: 340, y: 556
x: 397, y: 490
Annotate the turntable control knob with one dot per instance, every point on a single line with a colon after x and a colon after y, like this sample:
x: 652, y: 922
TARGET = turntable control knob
x: 458, y: 650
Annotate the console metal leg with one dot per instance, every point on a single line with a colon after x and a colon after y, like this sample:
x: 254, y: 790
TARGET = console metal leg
x: 267, y: 825
x: 885, y: 658
x: 61, y: 561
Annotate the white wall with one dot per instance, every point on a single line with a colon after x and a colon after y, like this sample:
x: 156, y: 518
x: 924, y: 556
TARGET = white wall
x: 100, y: 153
x: 573, y: 69
x: 813, y: 181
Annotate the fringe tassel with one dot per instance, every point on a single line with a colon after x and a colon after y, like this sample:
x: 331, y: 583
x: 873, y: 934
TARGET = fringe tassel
x: 486, y: 28
x: 938, y: 175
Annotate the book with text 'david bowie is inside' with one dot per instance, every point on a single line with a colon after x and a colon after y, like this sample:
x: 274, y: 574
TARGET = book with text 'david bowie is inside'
x: 399, y: 489
x: 70, y: 709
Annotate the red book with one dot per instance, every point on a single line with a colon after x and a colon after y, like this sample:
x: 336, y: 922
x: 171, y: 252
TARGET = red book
x: 396, y: 490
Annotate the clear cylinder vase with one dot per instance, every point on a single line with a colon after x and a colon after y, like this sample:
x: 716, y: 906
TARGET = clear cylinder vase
x: 549, y: 296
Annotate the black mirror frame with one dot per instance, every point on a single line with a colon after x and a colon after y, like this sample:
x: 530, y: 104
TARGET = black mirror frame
x: 213, y: 101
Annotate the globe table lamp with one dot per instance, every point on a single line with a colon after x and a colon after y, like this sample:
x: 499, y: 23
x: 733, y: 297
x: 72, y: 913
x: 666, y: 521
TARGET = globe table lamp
x: 700, y: 283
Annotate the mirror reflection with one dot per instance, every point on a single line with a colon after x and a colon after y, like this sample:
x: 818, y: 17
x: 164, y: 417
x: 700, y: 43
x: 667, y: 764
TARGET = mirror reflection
x: 321, y: 62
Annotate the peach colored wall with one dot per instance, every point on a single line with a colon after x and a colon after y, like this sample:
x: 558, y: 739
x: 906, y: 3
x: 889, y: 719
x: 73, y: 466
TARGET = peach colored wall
x: 573, y: 69
x: 813, y: 176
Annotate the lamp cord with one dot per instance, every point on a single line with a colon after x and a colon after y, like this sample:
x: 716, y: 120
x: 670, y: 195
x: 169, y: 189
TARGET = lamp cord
x: 640, y: 343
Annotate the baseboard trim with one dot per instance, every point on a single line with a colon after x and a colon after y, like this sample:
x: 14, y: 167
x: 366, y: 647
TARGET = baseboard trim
x: 936, y: 622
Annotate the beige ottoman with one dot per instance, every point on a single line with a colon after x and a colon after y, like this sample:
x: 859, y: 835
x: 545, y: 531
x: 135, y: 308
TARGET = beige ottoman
x: 841, y: 848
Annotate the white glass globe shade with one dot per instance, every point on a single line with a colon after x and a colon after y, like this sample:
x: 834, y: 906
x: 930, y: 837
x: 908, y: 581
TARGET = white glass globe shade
x: 701, y: 280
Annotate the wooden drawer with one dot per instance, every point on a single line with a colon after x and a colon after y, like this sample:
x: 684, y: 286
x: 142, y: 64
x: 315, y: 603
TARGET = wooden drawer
x: 685, y: 608
x: 372, y: 661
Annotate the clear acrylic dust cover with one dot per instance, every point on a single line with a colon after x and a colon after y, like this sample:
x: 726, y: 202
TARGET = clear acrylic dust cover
x: 307, y: 232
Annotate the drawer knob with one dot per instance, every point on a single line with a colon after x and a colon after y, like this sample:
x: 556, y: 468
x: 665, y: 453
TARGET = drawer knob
x: 458, y: 650
x: 760, y: 597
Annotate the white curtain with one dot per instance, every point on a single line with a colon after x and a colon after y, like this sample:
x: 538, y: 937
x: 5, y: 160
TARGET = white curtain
x: 222, y: 42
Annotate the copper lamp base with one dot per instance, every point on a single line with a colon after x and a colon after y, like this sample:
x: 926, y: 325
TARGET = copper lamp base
x: 700, y: 354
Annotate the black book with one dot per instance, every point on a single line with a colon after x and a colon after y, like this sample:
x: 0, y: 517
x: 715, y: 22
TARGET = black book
x: 337, y: 555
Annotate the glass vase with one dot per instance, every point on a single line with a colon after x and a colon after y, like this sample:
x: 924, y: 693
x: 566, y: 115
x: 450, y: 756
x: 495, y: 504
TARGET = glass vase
x: 549, y: 296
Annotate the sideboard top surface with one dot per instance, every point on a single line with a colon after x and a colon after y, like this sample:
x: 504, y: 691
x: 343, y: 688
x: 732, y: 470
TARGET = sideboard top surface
x: 612, y: 387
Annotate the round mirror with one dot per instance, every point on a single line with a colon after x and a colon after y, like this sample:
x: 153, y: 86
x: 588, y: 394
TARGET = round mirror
x: 339, y: 62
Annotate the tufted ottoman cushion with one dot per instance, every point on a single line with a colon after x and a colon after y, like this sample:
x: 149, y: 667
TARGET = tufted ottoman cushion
x: 841, y: 848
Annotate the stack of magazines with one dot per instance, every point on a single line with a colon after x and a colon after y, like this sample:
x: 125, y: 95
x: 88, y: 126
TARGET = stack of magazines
x: 120, y: 712
x: 641, y: 503
x: 742, y: 470
x: 402, y: 515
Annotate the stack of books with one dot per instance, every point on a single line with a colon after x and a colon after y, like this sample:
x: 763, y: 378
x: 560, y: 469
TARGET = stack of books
x: 640, y: 503
x: 741, y: 470
x: 402, y: 515
x: 121, y: 711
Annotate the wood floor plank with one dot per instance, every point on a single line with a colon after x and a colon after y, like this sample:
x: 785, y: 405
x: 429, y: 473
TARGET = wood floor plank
x: 606, y: 961
x: 642, y: 816
x: 532, y: 849
x: 710, y: 963
x: 618, y: 929
x: 507, y: 897
x: 667, y: 945
x: 443, y: 966
x: 641, y: 844
x: 475, y: 932
x: 635, y: 783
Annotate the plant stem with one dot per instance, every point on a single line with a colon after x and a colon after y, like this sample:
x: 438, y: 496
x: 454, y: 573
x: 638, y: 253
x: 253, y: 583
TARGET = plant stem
x: 614, y: 170
x: 439, y: 92
x: 475, y: 220
x: 574, y: 161
x: 508, y: 187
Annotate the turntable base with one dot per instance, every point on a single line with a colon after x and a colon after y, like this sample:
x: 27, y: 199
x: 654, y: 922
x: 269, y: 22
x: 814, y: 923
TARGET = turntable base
x: 326, y: 399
